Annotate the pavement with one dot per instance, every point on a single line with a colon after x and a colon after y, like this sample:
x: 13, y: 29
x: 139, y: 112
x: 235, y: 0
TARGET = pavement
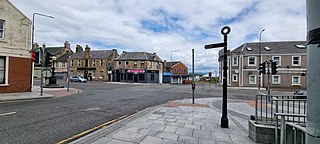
x: 177, y: 122
x: 35, y: 94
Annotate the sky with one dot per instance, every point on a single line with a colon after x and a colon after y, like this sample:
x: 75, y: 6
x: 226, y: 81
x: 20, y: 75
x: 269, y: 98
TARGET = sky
x: 165, y: 26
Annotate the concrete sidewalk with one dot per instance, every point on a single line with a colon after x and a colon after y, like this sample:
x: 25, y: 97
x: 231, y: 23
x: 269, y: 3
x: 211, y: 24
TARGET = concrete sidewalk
x: 177, y: 122
x: 35, y: 94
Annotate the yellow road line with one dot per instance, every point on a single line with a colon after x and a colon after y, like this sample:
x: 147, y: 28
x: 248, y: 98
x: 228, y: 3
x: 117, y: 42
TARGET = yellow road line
x: 91, y: 130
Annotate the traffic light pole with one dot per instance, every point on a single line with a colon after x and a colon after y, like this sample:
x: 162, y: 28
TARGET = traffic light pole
x: 42, y: 67
x: 268, y: 63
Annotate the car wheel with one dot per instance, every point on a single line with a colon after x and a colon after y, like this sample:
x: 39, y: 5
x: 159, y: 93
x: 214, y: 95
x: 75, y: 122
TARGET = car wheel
x: 79, y: 81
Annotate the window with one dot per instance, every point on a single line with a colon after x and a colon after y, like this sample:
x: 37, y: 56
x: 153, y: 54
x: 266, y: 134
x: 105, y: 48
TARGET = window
x: 275, y: 79
x: 152, y: 77
x: 1, y: 29
x: 127, y: 63
x: 234, y: 77
x: 267, y: 48
x: 142, y: 64
x: 252, y: 79
x: 235, y: 61
x: 72, y: 63
x: 101, y: 74
x: 79, y: 61
x: 157, y: 65
x: 94, y: 63
x: 295, y: 80
x: 252, y: 61
x: 295, y: 60
x: 3, y: 70
x: 277, y: 59
x: 63, y: 64
x: 119, y: 62
x: 135, y: 64
x: 101, y: 62
x: 130, y: 76
x: 249, y: 48
x: 141, y: 77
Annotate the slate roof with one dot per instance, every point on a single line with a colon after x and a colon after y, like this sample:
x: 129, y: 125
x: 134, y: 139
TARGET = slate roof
x: 100, y: 54
x: 170, y: 64
x: 53, y: 50
x: 281, y: 47
x: 137, y: 56
x: 64, y: 58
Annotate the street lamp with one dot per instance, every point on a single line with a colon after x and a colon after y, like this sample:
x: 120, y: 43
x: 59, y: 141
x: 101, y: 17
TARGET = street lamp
x: 259, y: 83
x: 32, y: 46
x: 171, y: 54
x: 33, y: 15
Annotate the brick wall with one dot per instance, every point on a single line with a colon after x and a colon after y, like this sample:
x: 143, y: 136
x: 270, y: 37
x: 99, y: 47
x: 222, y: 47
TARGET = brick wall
x: 19, y: 75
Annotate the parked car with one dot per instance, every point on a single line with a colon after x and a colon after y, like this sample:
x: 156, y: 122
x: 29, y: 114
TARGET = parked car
x: 78, y: 79
x: 300, y: 94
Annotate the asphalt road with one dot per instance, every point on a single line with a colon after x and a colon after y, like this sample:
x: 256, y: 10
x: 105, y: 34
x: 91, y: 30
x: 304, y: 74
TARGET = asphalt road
x: 52, y: 120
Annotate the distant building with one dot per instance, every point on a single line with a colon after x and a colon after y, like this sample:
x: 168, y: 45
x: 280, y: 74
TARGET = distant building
x: 140, y: 67
x: 95, y: 65
x: 175, y: 72
x: 243, y: 63
x: 60, y: 64
x: 15, y: 49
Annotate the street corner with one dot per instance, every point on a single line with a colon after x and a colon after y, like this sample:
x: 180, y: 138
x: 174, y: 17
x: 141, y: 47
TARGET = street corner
x: 61, y: 92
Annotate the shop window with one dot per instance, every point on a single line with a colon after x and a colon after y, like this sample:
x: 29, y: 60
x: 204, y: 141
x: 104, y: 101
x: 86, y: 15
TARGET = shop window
x: 141, y: 77
x: 152, y: 77
x: 130, y: 76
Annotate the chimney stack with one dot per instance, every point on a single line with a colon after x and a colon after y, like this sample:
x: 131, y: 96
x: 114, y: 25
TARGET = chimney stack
x: 79, y: 48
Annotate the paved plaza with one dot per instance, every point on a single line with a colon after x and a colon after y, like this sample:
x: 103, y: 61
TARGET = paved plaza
x: 177, y: 122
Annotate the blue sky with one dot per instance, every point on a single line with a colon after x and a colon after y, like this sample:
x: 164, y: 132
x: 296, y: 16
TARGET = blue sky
x: 163, y: 26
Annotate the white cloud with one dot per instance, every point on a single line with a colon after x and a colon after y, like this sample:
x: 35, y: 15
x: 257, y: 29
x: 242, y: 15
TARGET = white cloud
x: 118, y: 23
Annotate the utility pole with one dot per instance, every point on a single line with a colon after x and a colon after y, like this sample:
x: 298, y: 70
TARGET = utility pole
x: 313, y: 48
x: 224, y: 31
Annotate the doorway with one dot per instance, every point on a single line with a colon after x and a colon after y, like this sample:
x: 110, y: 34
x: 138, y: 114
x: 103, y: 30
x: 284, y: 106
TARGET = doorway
x: 135, y: 77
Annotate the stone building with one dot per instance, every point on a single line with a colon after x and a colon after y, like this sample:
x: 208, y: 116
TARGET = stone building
x: 60, y: 52
x: 140, y: 67
x: 15, y: 49
x: 243, y: 64
x: 95, y: 65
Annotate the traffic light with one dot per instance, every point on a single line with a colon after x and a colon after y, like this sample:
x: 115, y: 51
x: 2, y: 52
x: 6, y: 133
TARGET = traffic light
x: 36, y: 57
x: 48, y: 60
x: 262, y: 68
x: 274, y: 68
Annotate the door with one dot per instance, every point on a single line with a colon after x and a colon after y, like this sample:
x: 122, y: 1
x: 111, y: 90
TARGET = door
x: 135, y: 77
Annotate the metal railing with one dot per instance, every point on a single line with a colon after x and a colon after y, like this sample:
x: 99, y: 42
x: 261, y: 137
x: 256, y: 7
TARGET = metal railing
x: 268, y: 105
x: 290, y: 129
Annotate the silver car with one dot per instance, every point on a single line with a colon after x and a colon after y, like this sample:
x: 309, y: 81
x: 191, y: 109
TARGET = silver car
x: 78, y: 79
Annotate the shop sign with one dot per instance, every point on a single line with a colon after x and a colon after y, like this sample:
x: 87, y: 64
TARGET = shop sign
x: 135, y: 71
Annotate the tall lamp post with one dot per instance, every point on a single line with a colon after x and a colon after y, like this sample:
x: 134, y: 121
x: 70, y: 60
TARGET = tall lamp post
x: 33, y: 15
x: 171, y: 54
x: 32, y: 47
x: 259, y: 83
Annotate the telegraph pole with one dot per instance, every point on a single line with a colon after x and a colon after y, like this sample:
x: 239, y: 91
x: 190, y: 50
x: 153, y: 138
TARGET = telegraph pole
x: 313, y: 48
x: 193, y: 84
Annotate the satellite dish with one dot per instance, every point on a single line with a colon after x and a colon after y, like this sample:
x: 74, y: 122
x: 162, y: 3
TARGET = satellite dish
x: 236, y: 71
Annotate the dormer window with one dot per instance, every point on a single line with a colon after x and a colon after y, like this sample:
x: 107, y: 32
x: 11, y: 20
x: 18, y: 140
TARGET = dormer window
x: 267, y: 48
x: 301, y: 46
x: 249, y: 48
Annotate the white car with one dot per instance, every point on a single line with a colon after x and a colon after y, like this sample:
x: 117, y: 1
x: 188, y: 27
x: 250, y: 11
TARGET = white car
x: 78, y: 79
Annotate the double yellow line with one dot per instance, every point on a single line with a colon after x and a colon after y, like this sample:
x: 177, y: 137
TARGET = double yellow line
x: 91, y: 130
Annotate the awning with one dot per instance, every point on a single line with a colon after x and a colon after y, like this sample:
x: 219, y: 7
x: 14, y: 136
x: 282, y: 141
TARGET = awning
x: 167, y: 74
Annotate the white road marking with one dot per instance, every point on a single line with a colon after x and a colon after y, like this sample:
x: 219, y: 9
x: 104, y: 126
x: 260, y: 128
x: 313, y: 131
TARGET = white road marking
x: 9, y: 113
x: 261, y: 93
